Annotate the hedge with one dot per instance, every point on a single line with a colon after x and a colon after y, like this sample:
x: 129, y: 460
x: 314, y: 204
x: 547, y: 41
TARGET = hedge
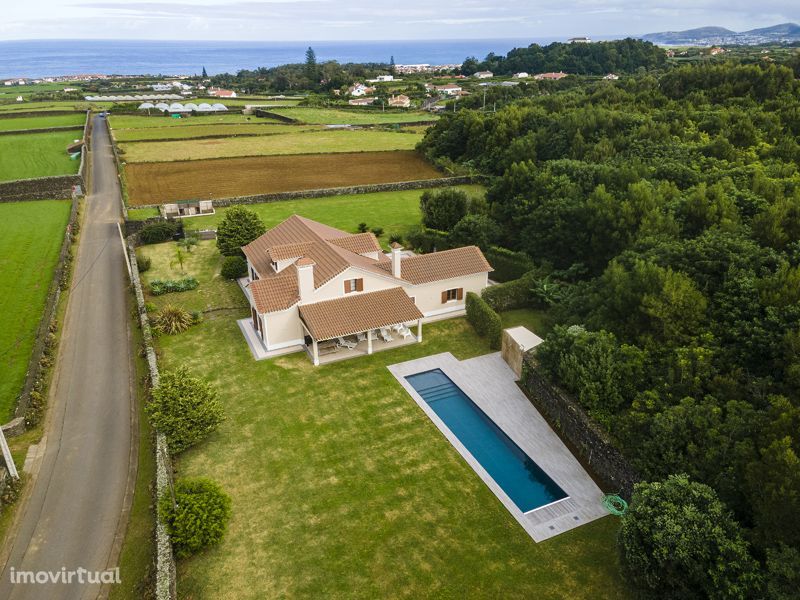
x: 161, y: 231
x: 507, y: 264
x: 485, y: 320
x: 427, y: 240
x: 510, y: 295
x: 165, y: 286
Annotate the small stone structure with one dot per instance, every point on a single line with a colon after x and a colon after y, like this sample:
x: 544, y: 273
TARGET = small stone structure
x: 516, y: 342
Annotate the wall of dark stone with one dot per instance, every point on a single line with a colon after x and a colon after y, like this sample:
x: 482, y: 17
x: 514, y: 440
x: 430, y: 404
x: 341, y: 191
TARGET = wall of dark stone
x: 581, y: 433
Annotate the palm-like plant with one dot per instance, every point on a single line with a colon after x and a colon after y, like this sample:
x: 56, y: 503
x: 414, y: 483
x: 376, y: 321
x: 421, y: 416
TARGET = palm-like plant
x: 172, y: 319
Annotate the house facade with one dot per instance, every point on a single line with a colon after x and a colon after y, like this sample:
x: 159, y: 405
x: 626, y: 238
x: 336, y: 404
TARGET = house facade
x: 310, y: 284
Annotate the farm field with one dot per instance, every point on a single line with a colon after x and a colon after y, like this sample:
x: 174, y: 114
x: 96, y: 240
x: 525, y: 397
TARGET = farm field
x: 199, y: 131
x: 43, y: 122
x: 28, y: 155
x: 157, y: 183
x: 299, y: 142
x: 30, y: 238
x: 119, y: 122
x: 333, y: 116
x: 77, y: 106
x: 354, y: 493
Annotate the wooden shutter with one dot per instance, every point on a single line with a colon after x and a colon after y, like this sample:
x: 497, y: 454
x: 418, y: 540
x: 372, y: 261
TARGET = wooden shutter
x: 460, y: 294
x: 359, y: 285
x: 346, y: 286
x: 444, y: 297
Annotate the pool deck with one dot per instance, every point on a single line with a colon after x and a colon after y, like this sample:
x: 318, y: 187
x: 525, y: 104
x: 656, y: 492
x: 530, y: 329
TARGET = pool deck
x: 491, y: 384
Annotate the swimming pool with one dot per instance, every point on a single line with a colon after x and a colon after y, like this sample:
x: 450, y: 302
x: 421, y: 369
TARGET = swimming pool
x: 528, y: 486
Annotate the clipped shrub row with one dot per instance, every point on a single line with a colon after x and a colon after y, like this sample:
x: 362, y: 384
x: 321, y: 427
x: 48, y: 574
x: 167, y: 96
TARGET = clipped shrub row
x: 484, y: 319
x: 428, y: 240
x: 512, y: 294
x: 153, y: 233
x: 165, y: 286
x: 507, y: 264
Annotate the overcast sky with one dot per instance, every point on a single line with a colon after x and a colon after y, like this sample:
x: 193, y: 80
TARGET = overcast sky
x: 281, y: 20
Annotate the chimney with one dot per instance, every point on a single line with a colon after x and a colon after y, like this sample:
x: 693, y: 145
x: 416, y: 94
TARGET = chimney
x: 305, y: 278
x: 396, y: 257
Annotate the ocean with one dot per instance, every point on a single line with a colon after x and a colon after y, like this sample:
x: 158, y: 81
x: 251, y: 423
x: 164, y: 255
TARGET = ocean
x: 43, y: 58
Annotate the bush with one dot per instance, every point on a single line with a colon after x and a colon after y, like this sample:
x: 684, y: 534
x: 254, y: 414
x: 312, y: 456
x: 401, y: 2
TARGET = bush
x: 198, y: 518
x: 234, y: 267
x: 427, y: 240
x: 143, y: 262
x: 377, y: 231
x: 475, y: 230
x: 678, y: 540
x: 184, y: 408
x: 172, y: 319
x: 510, y: 295
x: 239, y: 227
x: 487, y: 322
x: 507, y: 264
x: 159, y: 287
x: 442, y: 209
x: 161, y: 231
x: 395, y: 238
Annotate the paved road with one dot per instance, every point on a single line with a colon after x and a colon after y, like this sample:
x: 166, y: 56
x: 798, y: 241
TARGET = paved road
x: 76, y: 504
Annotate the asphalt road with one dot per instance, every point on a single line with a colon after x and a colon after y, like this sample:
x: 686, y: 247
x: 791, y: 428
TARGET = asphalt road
x: 73, y: 514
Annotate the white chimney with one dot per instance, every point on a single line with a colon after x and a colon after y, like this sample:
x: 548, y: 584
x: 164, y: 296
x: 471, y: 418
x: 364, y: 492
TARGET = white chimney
x: 305, y: 278
x: 396, y: 257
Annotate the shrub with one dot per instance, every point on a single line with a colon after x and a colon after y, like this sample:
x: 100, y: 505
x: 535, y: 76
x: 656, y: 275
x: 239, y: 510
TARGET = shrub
x: 377, y: 231
x: 485, y: 320
x: 239, y: 227
x: 159, y: 287
x: 161, y: 231
x: 186, y: 409
x: 510, y: 295
x: 442, y: 209
x: 507, y: 264
x: 427, y: 240
x: 234, y: 267
x: 678, y: 540
x: 475, y: 230
x: 198, y: 518
x: 172, y: 319
x: 143, y: 262
x: 362, y: 228
x: 395, y: 238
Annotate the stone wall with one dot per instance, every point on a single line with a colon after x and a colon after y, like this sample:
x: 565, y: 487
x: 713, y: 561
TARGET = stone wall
x: 585, y: 437
x: 341, y: 191
x: 265, y: 114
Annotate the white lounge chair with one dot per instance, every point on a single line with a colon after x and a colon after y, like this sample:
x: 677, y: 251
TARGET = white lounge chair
x: 386, y: 336
x: 406, y: 333
x: 343, y: 343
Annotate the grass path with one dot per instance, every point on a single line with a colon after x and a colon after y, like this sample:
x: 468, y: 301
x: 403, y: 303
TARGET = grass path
x: 30, y: 237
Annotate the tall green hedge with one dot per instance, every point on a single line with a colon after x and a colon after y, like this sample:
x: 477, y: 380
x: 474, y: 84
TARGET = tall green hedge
x: 507, y: 264
x: 485, y: 320
x: 510, y: 295
x: 427, y: 240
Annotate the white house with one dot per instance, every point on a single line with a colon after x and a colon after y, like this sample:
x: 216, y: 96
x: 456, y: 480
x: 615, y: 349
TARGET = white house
x: 449, y: 89
x: 611, y: 77
x: 384, y: 78
x: 314, y: 287
x: 521, y: 75
x: 400, y: 101
x: 483, y: 75
x: 359, y: 89
x: 220, y: 93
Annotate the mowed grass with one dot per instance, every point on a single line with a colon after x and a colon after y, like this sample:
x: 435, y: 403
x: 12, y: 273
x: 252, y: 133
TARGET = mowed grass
x: 200, y: 131
x: 342, y: 488
x: 12, y: 107
x: 43, y: 122
x: 333, y: 116
x: 37, y: 155
x: 303, y: 142
x: 160, y: 182
x: 395, y: 212
x: 31, y: 234
x: 118, y: 122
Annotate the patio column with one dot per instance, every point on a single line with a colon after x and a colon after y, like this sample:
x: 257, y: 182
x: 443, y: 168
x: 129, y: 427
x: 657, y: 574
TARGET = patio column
x: 369, y: 342
x: 419, y: 330
x: 316, y: 352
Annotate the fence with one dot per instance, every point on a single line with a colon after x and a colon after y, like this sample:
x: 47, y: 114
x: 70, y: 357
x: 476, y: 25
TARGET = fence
x: 165, y: 560
x: 585, y: 437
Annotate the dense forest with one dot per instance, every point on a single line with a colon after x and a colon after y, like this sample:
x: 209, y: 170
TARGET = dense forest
x: 663, y: 215
x: 599, y: 58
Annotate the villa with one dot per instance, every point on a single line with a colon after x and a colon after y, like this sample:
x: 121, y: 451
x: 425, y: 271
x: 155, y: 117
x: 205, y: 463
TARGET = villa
x: 315, y: 288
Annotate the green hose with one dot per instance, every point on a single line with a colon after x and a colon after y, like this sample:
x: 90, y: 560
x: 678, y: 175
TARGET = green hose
x: 615, y: 505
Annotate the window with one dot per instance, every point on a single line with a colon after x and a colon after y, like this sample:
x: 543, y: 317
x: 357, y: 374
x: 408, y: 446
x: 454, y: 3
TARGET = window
x: 452, y: 295
x: 353, y: 285
x: 253, y: 274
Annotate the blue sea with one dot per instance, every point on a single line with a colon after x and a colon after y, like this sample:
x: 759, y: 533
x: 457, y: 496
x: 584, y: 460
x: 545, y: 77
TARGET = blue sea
x: 43, y: 58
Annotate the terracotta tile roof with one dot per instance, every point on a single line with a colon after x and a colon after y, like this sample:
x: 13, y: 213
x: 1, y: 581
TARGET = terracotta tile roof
x: 360, y: 243
x: 286, y: 251
x: 275, y: 293
x: 438, y: 266
x: 358, y: 312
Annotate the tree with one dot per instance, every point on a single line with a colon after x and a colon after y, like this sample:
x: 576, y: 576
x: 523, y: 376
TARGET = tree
x: 198, y: 517
x: 392, y: 66
x: 205, y: 75
x: 679, y: 541
x: 475, y: 230
x: 184, y: 408
x: 311, y: 68
x: 783, y: 572
x: 239, y: 227
x: 443, y: 209
x: 233, y: 267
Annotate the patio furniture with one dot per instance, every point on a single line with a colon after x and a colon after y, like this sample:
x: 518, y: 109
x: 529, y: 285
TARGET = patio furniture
x: 405, y: 332
x: 343, y: 343
x: 327, y: 348
x: 386, y: 336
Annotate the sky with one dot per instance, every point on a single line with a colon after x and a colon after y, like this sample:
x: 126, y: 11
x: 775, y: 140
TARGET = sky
x: 290, y: 20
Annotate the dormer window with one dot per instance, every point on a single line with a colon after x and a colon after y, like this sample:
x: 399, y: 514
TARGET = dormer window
x: 353, y: 285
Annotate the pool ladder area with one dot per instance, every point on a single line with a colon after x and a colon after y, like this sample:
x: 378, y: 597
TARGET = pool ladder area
x: 437, y: 392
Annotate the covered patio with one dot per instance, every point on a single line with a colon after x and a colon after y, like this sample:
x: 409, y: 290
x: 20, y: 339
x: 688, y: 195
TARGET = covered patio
x: 360, y: 325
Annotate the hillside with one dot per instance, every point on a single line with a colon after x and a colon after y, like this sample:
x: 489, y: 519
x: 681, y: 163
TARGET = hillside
x: 704, y: 36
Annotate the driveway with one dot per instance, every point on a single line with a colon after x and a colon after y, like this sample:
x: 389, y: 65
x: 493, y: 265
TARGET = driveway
x: 77, y: 504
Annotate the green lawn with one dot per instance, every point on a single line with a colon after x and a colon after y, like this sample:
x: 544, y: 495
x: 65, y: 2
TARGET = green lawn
x: 301, y: 142
x: 142, y: 121
x: 537, y: 321
x: 333, y: 116
x: 30, y: 238
x: 43, y: 122
x: 37, y: 155
x: 199, y: 131
x: 395, y: 212
x: 76, y: 105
